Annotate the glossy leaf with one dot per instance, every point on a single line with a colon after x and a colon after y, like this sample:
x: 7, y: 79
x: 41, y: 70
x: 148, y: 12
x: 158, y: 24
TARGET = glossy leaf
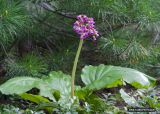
x: 56, y: 81
x: 59, y: 81
x: 102, y: 76
x: 20, y: 85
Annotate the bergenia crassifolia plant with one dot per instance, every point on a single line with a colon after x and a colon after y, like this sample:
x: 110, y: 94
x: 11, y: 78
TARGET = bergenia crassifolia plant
x: 85, y: 28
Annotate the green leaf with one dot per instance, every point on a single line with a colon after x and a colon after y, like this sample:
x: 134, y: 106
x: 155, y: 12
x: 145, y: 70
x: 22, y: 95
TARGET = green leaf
x: 59, y: 81
x: 46, y: 90
x: 99, y: 77
x: 56, y: 81
x: 34, y: 98
x: 102, y: 76
x: 43, y: 103
x: 19, y: 85
x: 128, y: 99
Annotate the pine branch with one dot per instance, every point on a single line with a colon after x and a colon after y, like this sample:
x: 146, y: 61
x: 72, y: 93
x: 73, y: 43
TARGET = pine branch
x: 127, y: 47
x: 53, y: 9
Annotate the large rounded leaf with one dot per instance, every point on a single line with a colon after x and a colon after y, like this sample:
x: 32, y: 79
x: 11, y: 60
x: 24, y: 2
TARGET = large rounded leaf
x: 102, y: 76
x: 56, y: 81
x: 19, y: 85
x: 59, y: 81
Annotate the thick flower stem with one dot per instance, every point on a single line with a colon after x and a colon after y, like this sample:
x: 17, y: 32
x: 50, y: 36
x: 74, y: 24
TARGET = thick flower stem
x: 75, y: 67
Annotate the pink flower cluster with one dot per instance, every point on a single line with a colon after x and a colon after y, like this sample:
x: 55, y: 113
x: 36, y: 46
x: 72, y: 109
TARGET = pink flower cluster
x: 84, y: 26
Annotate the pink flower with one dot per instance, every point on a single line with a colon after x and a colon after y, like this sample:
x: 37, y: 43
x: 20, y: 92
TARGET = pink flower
x: 84, y: 26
